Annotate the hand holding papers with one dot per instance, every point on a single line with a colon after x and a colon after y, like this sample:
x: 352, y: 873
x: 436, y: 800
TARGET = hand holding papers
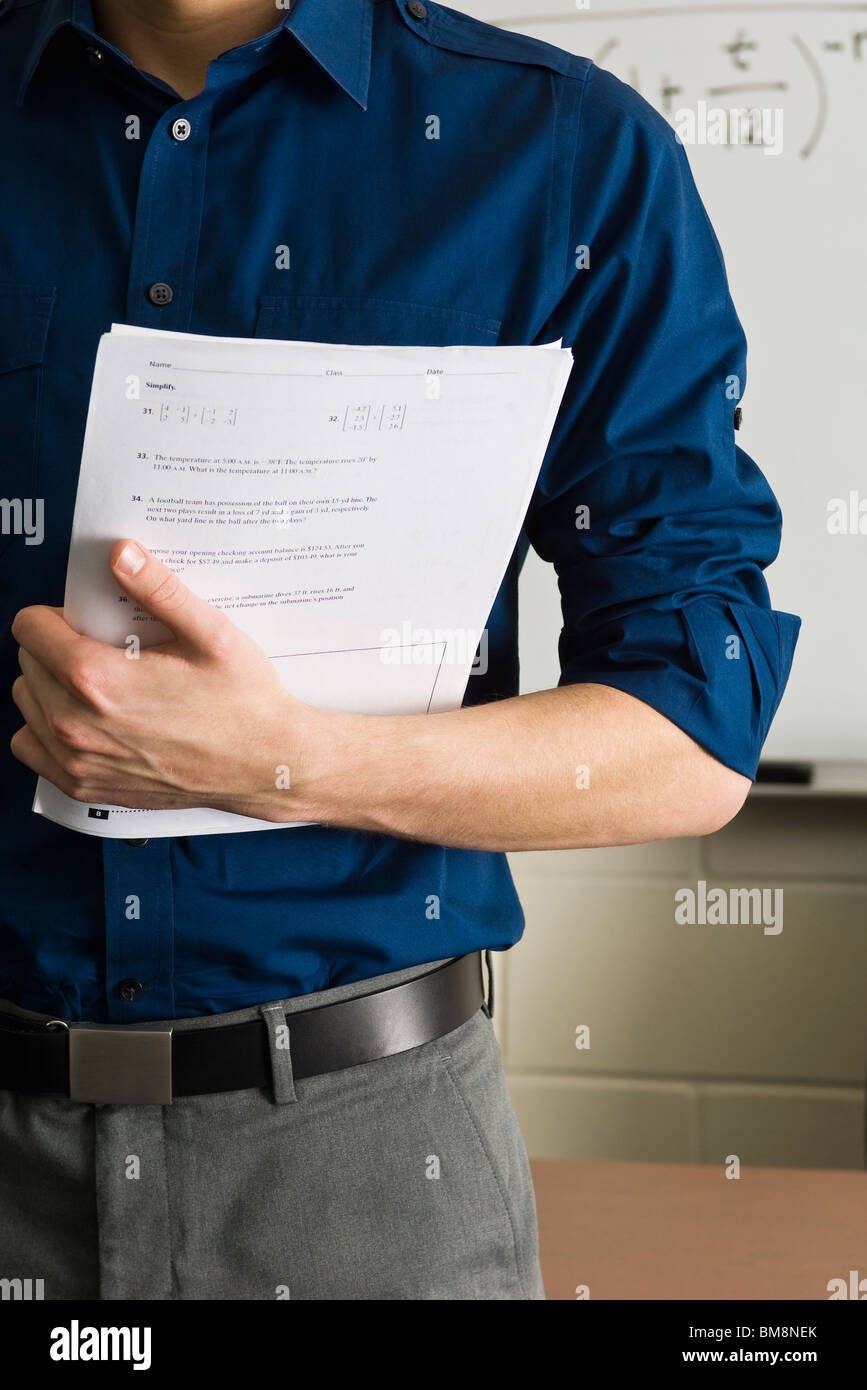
x: 352, y: 509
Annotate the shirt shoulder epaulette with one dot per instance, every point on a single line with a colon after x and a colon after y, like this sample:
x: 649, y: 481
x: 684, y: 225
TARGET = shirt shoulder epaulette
x: 449, y: 29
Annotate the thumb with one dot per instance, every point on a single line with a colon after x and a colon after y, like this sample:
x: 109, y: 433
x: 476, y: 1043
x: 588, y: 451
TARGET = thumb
x: 160, y: 592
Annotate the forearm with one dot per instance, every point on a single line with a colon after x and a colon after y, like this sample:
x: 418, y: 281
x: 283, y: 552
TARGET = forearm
x: 580, y: 766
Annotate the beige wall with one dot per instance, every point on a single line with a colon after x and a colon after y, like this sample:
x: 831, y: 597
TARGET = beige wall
x: 704, y: 1040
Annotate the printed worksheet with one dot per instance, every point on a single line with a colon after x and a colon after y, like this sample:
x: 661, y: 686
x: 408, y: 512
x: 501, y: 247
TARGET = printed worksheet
x: 353, y: 509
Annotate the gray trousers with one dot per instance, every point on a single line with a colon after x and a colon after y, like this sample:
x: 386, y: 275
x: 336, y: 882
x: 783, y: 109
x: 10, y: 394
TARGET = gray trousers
x: 402, y: 1178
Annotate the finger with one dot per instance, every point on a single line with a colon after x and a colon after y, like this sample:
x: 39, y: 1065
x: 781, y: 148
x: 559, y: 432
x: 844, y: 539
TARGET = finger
x: 25, y: 746
x: 45, y: 634
x: 51, y: 693
x: 160, y: 592
x: 33, y: 714
x: 61, y: 722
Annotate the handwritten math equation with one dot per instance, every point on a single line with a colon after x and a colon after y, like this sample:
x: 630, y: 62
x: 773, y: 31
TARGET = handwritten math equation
x: 790, y: 58
x: 758, y: 72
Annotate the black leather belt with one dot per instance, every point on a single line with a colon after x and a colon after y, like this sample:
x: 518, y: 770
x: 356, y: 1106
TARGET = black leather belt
x: 150, y: 1063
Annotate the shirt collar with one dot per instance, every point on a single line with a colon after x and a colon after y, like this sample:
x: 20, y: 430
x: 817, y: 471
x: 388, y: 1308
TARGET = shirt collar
x: 55, y: 14
x: 341, y: 44
x: 342, y: 49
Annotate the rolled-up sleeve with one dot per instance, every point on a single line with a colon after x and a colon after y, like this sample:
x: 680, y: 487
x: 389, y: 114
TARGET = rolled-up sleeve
x: 658, y: 525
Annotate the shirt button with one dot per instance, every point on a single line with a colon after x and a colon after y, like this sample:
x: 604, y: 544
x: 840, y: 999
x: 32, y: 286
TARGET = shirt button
x: 135, y: 842
x: 160, y: 293
x: 417, y: 9
x: 181, y: 129
x: 130, y: 990
x: 95, y: 56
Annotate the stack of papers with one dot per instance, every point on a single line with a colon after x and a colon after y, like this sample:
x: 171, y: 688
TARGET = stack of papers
x: 353, y: 509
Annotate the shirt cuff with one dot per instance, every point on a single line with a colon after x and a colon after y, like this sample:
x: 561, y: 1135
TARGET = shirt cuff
x: 715, y: 668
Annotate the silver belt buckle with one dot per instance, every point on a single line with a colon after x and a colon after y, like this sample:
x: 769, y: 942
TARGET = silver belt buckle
x: 120, y: 1064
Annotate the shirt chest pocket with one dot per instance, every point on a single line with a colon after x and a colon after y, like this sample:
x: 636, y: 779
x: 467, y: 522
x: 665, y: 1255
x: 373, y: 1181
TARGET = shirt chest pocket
x: 368, y: 322
x: 25, y: 313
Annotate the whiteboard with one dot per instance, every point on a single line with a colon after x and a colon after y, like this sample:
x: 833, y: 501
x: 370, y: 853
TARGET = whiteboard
x: 793, y: 231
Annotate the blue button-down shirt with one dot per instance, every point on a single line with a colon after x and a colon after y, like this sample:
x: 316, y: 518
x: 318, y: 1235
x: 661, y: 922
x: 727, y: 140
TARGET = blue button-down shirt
x: 395, y: 174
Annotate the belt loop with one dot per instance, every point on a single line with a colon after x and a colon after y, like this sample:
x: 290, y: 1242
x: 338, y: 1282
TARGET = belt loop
x: 488, y: 1005
x: 281, y: 1055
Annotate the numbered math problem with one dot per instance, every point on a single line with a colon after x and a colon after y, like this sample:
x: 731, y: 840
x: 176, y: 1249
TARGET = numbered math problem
x: 179, y: 414
x: 364, y: 417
